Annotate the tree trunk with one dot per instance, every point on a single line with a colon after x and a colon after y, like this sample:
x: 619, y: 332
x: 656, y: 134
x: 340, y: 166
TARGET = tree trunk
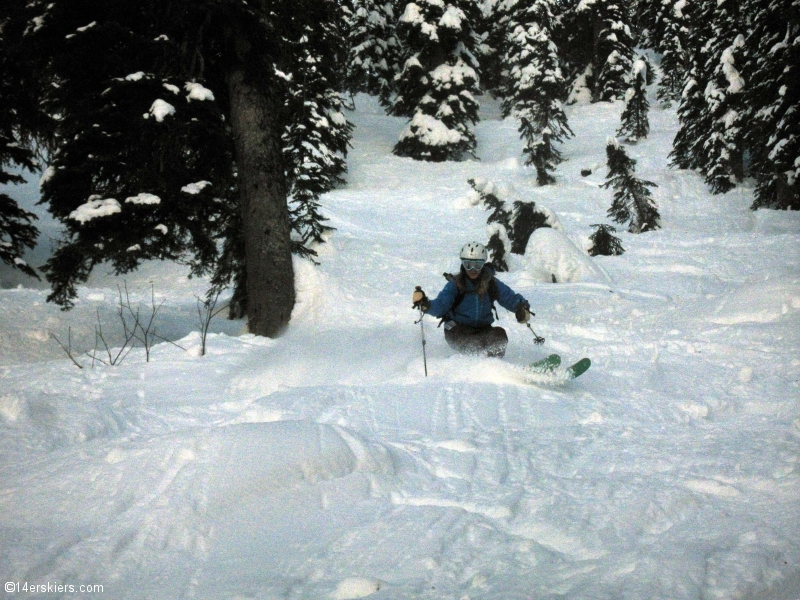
x: 257, y: 127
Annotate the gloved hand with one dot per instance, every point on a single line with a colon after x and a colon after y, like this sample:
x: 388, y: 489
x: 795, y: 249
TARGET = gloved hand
x: 419, y: 299
x: 523, y: 312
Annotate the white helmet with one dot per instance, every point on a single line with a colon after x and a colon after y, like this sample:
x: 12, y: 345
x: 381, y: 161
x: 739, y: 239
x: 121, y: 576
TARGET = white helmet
x: 473, y: 251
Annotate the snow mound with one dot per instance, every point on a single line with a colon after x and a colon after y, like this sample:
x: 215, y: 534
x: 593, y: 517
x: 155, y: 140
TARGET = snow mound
x: 221, y: 468
x: 551, y: 256
x: 356, y: 587
x: 256, y: 459
x: 762, y: 302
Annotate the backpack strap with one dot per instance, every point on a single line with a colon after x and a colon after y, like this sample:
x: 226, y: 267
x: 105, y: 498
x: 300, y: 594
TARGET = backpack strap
x: 494, y: 294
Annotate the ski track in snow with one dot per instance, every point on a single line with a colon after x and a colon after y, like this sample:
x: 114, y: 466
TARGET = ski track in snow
x: 324, y: 464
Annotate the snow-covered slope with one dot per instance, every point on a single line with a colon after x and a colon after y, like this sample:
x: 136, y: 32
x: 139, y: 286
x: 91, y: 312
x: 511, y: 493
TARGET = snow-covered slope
x: 324, y: 464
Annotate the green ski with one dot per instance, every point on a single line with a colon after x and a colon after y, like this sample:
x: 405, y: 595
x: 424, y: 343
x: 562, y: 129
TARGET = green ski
x: 546, y: 365
x: 579, y: 368
x: 550, y: 367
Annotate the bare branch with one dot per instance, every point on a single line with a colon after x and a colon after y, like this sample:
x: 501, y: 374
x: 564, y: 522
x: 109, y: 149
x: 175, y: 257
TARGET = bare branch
x: 68, y: 347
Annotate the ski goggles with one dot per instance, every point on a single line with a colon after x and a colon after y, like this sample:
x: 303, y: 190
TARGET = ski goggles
x: 472, y: 265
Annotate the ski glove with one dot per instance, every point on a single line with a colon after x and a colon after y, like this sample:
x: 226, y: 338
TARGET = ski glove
x: 420, y: 300
x: 523, y: 312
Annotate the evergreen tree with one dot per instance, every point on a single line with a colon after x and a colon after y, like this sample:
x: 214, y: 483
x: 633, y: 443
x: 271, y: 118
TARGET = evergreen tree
x: 373, y: 49
x: 633, y: 201
x: 773, y: 94
x: 635, y: 124
x: 573, y: 35
x: 650, y: 22
x: 611, y: 45
x: 674, y: 62
x: 495, y: 23
x: 510, y: 223
x: 694, y: 121
x: 725, y: 109
x: 499, y: 222
x: 536, y: 86
x: 435, y: 86
x: 524, y: 221
x: 169, y: 138
x: 316, y: 139
x: 498, y: 246
x: 604, y: 242
x: 17, y: 231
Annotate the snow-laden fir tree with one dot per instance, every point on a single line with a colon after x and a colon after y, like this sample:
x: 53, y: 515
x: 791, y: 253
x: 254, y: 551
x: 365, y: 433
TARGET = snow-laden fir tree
x: 633, y: 203
x: 169, y: 141
x: 498, y: 221
x: 374, y: 51
x: 673, y: 47
x: 694, y: 120
x: 649, y: 22
x: 436, y: 84
x: 607, y: 24
x: 17, y: 231
x: 525, y: 219
x: 773, y: 95
x: 604, y: 242
x: 725, y: 100
x: 495, y: 24
x: 511, y: 221
x: 536, y: 86
x: 635, y: 123
x: 317, y: 136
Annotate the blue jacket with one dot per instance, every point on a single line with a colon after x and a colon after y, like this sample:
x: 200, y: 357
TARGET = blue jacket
x: 475, y: 309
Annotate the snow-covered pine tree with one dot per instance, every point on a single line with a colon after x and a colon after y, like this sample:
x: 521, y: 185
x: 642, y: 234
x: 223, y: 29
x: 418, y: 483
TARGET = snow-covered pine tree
x: 535, y: 87
x: 317, y: 136
x: 17, y: 231
x: 609, y: 22
x: 498, y: 246
x: 604, y: 242
x: 725, y: 101
x: 494, y: 27
x: 773, y: 97
x: 635, y: 124
x: 633, y: 203
x: 694, y: 123
x: 674, y: 62
x: 575, y: 42
x: 436, y: 85
x: 511, y: 221
x: 525, y: 219
x: 649, y: 22
x: 498, y: 221
x: 373, y: 49
x: 169, y: 138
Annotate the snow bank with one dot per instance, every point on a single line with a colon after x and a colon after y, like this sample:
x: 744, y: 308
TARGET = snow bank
x: 761, y: 302
x: 218, y: 467
x: 356, y: 587
x: 256, y: 459
x: 551, y: 257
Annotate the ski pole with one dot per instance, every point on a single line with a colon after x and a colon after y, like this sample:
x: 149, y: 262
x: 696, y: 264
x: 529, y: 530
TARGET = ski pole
x: 422, y: 330
x: 536, y: 338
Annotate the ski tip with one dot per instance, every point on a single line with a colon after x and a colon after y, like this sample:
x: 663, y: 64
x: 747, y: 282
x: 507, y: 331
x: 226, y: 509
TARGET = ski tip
x: 579, y: 368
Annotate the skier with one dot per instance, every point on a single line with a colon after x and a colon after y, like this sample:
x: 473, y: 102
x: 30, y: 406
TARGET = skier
x: 465, y: 305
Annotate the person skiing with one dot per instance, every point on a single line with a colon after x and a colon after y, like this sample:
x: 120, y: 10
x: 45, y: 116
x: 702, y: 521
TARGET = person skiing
x: 465, y: 305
